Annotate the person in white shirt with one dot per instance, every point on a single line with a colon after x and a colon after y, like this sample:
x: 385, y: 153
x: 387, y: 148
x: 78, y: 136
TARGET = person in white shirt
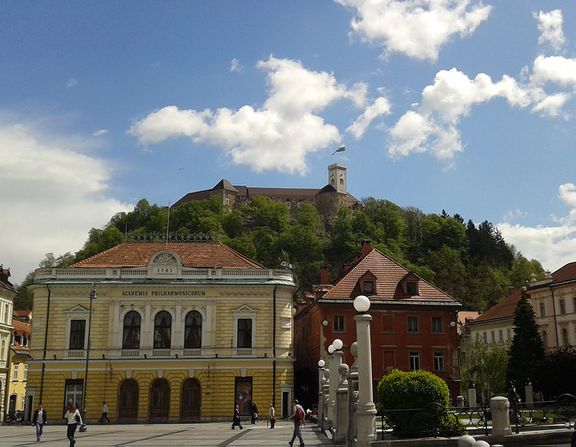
x: 73, y: 418
x: 104, y: 413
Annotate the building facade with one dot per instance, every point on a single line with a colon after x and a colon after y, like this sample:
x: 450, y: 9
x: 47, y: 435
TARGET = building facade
x: 414, y: 324
x: 7, y: 295
x: 18, y: 373
x: 554, y: 302
x: 163, y: 332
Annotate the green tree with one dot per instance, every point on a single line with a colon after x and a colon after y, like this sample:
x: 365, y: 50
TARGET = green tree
x: 485, y: 366
x: 527, y: 350
x: 450, y: 272
x: 556, y: 375
x: 263, y: 212
x: 98, y: 241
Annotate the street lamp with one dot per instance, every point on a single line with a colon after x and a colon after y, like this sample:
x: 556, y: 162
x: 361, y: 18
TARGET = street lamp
x: 92, y: 296
x: 366, y: 410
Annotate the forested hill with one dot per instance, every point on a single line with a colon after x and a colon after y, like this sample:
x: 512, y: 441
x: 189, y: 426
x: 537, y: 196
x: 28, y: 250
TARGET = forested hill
x: 471, y: 262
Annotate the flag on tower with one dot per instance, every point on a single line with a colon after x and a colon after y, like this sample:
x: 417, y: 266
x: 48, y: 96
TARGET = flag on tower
x: 340, y: 149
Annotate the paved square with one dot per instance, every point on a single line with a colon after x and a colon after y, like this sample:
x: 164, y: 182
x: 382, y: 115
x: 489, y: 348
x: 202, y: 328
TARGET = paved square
x: 173, y: 435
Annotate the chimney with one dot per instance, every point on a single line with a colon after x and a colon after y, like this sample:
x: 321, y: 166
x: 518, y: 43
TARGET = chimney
x: 366, y: 247
x: 325, y: 275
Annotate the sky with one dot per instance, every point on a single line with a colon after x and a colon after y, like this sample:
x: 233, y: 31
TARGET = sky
x: 458, y: 105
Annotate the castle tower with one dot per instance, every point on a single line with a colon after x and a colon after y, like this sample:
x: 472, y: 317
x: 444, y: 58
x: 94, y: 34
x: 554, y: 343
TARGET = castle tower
x: 337, y: 177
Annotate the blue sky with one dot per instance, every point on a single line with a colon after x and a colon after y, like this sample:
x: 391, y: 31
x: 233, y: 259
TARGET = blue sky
x: 465, y: 106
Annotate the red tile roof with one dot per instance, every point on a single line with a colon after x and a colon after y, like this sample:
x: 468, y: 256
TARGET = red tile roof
x: 502, y: 310
x: 389, y: 275
x: 22, y: 327
x: 565, y: 273
x: 192, y: 254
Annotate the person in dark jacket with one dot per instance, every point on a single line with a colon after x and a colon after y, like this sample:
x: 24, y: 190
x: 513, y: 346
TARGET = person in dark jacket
x: 236, y: 420
x: 253, y: 413
x: 39, y: 420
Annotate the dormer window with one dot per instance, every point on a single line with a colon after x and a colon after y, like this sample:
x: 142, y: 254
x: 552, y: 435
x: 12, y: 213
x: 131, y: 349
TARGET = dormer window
x: 369, y: 287
x: 412, y: 288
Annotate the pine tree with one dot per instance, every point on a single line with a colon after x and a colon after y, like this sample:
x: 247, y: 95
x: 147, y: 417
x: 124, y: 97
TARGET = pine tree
x: 527, y: 350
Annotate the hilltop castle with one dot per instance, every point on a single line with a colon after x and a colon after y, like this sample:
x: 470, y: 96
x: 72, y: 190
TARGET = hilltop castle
x: 327, y: 200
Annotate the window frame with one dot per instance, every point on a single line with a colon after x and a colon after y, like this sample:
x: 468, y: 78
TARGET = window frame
x: 412, y: 328
x: 131, y: 345
x: 439, y: 320
x: 164, y: 338
x: 79, y: 332
x: 194, y: 314
x: 439, y: 360
x: 338, y: 323
x: 414, y: 360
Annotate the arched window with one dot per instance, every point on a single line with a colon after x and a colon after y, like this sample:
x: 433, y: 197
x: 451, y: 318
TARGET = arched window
x: 193, y: 330
x: 131, y: 332
x: 162, y: 330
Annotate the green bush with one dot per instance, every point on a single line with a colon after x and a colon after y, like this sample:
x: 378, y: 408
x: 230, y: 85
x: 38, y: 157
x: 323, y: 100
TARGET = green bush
x: 425, y: 395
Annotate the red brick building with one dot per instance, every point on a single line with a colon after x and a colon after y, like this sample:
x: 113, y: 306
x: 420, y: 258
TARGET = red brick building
x: 413, y: 323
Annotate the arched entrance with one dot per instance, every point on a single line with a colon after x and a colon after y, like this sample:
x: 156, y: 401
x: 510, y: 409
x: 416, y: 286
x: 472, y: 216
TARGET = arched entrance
x: 191, y: 401
x: 159, y: 401
x: 128, y: 401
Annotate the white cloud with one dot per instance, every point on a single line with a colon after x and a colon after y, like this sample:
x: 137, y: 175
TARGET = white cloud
x: 433, y: 124
x: 554, y: 69
x: 71, y: 83
x: 550, y: 27
x: 554, y: 246
x: 416, y: 28
x: 235, y: 65
x: 378, y: 108
x: 277, y: 136
x: 100, y: 132
x: 53, y: 195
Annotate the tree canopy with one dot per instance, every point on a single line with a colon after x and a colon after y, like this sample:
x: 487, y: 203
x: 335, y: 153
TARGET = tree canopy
x: 471, y: 262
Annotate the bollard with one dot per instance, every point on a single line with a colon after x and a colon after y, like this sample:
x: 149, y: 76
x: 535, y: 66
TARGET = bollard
x: 500, y: 406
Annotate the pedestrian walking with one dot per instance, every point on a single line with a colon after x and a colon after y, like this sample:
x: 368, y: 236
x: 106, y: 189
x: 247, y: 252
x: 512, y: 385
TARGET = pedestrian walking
x: 298, y: 419
x: 39, y: 420
x: 236, y: 420
x: 73, y: 418
x: 104, y: 413
x: 272, y: 416
x: 253, y: 413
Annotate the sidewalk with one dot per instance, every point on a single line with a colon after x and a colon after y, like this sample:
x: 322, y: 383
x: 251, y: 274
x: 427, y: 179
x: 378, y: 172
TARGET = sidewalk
x: 216, y: 434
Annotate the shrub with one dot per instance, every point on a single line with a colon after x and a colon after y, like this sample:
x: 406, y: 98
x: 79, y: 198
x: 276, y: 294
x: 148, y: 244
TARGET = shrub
x: 422, y: 392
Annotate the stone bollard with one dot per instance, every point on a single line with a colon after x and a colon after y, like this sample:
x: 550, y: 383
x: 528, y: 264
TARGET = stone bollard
x: 342, y: 408
x: 529, y: 393
x: 480, y: 444
x: 466, y: 441
x: 459, y: 401
x: 500, y: 406
x: 472, y: 396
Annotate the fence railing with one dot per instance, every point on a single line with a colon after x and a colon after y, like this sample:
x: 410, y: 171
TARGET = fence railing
x: 423, y: 422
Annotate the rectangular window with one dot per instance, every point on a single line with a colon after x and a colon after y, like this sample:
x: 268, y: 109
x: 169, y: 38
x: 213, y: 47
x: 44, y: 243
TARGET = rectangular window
x: 509, y: 333
x: 412, y: 288
x: 542, y: 309
x: 387, y: 323
x: 15, y: 374
x: 368, y: 286
x: 243, y: 394
x: 77, y: 334
x: 439, y: 361
x: 338, y: 323
x: 73, y: 392
x: 492, y: 337
x: 500, y: 336
x: 25, y: 372
x: 413, y: 325
x: 244, y: 335
x: 389, y: 360
x: 437, y: 325
x: 562, y: 307
x: 414, y: 361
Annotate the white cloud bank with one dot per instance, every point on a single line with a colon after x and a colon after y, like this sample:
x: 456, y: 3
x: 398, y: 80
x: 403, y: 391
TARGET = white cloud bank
x: 415, y: 28
x: 52, y: 195
x: 550, y: 27
x: 277, y: 136
x: 554, y: 246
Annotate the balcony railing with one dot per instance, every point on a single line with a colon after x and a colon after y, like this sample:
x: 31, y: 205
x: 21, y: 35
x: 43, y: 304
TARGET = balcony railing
x: 174, y: 353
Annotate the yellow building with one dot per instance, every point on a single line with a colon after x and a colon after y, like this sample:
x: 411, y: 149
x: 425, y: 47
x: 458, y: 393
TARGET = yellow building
x: 7, y: 294
x: 173, y: 332
x: 19, y: 355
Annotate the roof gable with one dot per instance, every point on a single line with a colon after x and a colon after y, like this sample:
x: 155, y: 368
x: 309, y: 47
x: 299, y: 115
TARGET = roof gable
x: 503, y: 309
x: 389, y: 275
x: 190, y: 254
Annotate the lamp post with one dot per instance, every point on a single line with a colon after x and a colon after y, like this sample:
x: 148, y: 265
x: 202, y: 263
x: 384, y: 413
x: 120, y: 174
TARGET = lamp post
x: 365, y: 410
x: 92, y: 296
